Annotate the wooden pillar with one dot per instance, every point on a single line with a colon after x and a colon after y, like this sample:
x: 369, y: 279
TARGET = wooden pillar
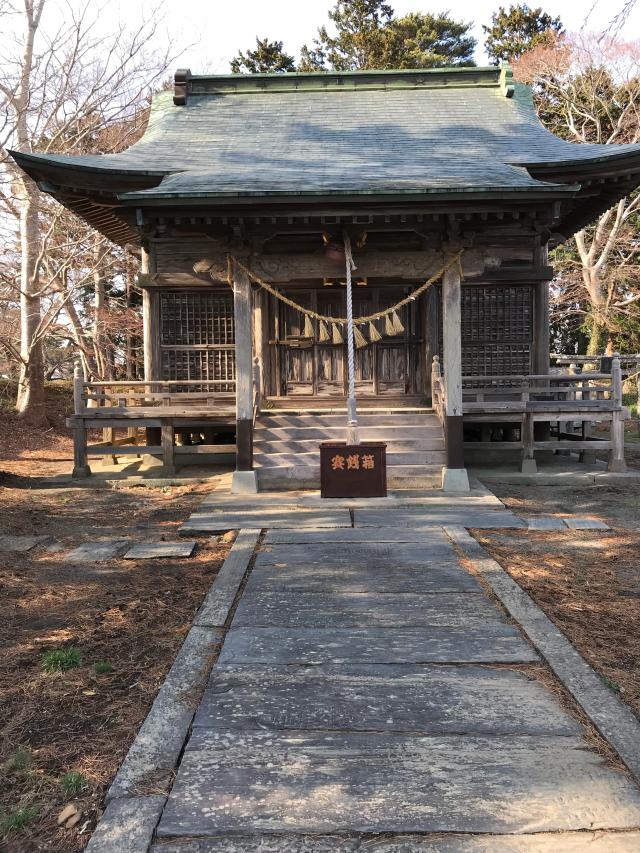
x: 454, y: 475
x: 616, y: 454
x: 260, y: 338
x: 150, y: 320
x: 528, y: 465
x: 80, y: 461
x: 168, y: 449
x: 244, y: 479
x: 430, y: 334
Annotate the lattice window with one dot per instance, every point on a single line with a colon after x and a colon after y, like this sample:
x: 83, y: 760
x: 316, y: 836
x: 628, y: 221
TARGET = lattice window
x: 497, y: 329
x: 197, y: 336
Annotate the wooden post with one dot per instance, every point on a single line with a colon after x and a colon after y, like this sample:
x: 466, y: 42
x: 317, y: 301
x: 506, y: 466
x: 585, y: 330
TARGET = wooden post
x: 80, y: 462
x: 244, y: 478
x: 528, y: 460
x: 150, y: 320
x: 588, y: 457
x: 540, y: 359
x: 616, y: 454
x: 454, y: 477
x: 168, y: 450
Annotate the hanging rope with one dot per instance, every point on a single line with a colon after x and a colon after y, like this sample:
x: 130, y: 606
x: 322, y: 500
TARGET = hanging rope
x: 395, y: 323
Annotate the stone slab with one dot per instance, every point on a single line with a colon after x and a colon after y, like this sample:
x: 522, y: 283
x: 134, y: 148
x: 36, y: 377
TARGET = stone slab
x: 127, y: 826
x: 219, y: 600
x: 416, y: 519
x: 372, y: 555
x: 347, y: 535
x: 347, y: 578
x: 218, y: 522
x: 556, y: 842
x: 585, y: 524
x: 615, y: 721
x: 289, y: 843
x: 252, y: 781
x: 160, y: 550
x: 421, y: 699
x: 96, y: 552
x: 489, y: 643
x: 542, y: 523
x: 271, y: 607
x: 156, y: 749
x: 22, y: 544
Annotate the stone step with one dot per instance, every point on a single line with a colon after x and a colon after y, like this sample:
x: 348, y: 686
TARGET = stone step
x: 308, y: 477
x: 382, y: 432
x: 394, y: 445
x: 364, y: 418
x: 414, y: 459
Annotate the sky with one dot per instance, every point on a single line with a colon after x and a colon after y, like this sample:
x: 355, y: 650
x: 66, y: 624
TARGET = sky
x: 217, y: 29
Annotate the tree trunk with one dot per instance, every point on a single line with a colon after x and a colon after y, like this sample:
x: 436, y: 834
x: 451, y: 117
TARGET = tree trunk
x: 597, y: 338
x: 30, y: 402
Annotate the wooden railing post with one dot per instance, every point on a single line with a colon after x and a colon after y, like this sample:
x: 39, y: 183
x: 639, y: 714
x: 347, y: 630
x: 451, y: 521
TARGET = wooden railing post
x: 78, y: 390
x: 257, y: 384
x: 80, y: 462
x: 528, y: 465
x: 616, y: 454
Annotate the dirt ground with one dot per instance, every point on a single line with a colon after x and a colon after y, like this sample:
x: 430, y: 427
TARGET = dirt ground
x: 587, y: 582
x: 64, y: 733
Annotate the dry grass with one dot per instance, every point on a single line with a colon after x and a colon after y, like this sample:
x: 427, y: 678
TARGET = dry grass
x: 588, y: 583
x: 132, y: 615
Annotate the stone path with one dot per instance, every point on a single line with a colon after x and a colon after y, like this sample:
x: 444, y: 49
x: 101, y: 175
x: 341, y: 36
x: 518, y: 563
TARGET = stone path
x: 368, y: 685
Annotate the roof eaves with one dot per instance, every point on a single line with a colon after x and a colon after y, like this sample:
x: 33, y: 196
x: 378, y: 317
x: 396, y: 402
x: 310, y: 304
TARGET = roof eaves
x: 543, y: 191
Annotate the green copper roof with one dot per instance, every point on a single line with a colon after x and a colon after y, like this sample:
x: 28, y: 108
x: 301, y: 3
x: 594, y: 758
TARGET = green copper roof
x: 447, y: 130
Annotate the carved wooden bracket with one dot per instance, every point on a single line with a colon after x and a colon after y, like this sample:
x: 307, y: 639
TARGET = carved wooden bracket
x: 181, y: 86
x: 404, y: 265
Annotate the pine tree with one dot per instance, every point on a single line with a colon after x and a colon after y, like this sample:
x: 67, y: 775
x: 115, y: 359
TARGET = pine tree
x: 368, y: 36
x: 268, y: 56
x: 429, y: 41
x: 518, y: 30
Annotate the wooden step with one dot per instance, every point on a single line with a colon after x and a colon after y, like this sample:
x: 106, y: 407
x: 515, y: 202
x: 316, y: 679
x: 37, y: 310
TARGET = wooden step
x: 383, y: 432
x: 394, y: 445
x: 306, y: 419
x: 308, y: 477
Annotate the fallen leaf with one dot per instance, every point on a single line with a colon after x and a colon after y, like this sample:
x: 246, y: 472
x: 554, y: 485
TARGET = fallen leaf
x: 68, y: 812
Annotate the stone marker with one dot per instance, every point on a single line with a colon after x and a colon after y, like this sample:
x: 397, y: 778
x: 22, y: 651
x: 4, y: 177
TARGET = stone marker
x: 22, y: 544
x: 585, y: 524
x: 96, y: 552
x: 255, y: 781
x: 156, y: 550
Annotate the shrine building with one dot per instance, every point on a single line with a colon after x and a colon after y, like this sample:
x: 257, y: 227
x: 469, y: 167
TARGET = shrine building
x: 240, y: 198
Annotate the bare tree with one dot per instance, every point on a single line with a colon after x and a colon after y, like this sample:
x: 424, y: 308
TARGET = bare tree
x: 65, y: 82
x: 588, y: 90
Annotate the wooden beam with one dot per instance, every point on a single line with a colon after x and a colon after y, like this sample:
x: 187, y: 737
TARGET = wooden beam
x: 291, y: 267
